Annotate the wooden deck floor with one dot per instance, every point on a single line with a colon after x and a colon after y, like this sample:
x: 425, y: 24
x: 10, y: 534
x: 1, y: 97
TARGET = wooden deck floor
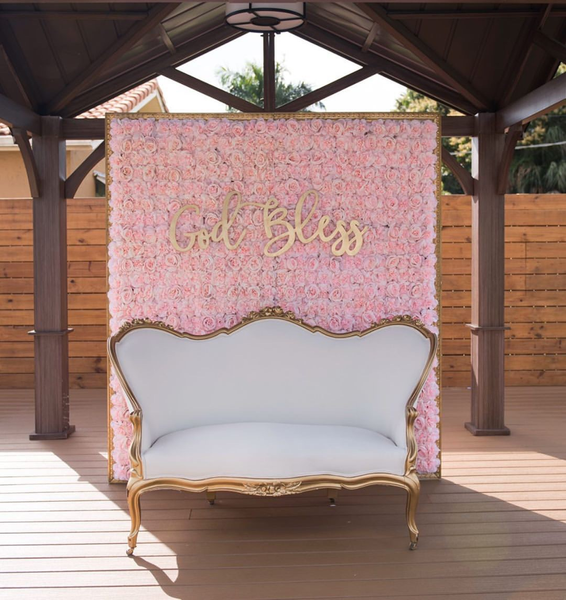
x: 494, y: 527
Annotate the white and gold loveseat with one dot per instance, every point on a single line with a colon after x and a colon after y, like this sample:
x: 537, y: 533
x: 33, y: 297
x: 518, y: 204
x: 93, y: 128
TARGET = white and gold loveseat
x: 272, y: 406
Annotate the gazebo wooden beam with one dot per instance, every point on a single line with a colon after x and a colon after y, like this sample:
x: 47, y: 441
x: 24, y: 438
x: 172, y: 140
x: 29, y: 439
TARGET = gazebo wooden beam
x: 210, y: 90
x: 463, y: 126
x: 517, y: 66
x: 206, y: 40
x: 16, y: 115
x: 17, y: 58
x: 462, y: 175
x: 22, y: 140
x: 269, y: 99
x: 466, y: 13
x: 93, y: 129
x: 166, y: 39
x: 389, y: 69
x: 329, y: 89
x: 514, y: 134
x: 549, y: 96
x: 424, y: 53
x: 77, y: 176
x: 136, y: 32
x: 51, y: 343
x: 82, y: 129
x: 75, y: 15
x: 11, y: 82
x: 488, y: 282
x: 550, y: 45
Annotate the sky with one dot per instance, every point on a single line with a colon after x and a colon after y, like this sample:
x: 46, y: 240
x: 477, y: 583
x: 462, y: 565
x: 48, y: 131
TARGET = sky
x: 303, y: 61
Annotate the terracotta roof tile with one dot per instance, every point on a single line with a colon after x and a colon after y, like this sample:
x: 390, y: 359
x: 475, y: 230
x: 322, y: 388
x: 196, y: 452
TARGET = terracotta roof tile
x: 121, y: 104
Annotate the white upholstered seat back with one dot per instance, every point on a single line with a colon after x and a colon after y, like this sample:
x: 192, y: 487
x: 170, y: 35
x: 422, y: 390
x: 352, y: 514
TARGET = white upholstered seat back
x: 273, y: 371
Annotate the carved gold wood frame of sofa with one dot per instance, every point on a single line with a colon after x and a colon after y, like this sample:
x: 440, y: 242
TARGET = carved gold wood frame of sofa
x: 137, y: 485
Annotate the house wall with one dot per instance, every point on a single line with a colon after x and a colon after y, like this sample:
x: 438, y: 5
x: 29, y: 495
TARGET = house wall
x: 535, y: 296
x: 13, y: 178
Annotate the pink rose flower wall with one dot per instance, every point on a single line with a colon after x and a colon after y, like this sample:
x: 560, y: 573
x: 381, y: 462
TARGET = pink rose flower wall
x: 380, y: 171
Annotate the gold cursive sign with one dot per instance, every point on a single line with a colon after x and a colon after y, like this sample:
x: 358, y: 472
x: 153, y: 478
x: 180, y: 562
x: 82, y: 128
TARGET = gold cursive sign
x: 344, y: 238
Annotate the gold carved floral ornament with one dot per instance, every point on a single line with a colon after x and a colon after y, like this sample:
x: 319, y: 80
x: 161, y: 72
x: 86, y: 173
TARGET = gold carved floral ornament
x: 272, y: 488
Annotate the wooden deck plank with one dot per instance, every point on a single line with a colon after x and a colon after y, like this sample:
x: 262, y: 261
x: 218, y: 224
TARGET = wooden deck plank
x: 494, y: 527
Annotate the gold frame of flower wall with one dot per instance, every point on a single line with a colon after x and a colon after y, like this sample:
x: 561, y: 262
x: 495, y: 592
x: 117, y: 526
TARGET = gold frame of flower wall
x: 299, y: 117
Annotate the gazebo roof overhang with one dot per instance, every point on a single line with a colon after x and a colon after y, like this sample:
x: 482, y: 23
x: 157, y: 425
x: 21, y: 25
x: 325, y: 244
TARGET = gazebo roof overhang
x: 495, y: 63
x: 64, y: 59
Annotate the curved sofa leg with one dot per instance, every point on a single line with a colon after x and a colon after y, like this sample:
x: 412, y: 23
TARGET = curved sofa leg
x: 135, y: 515
x: 211, y: 497
x: 413, y: 493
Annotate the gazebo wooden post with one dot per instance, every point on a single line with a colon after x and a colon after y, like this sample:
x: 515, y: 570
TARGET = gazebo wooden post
x: 488, y: 282
x: 50, y: 286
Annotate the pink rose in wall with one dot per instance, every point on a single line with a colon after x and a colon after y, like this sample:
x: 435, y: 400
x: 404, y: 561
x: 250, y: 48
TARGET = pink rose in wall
x: 381, y: 172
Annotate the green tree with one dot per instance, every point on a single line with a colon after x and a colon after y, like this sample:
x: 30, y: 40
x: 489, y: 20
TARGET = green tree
x: 248, y: 84
x: 539, y: 162
x: 461, y: 148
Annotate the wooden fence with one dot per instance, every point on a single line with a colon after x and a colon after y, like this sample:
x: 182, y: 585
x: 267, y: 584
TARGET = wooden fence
x: 535, y: 296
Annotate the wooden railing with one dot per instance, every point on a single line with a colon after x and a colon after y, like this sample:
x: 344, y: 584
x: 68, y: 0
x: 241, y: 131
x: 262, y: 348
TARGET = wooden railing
x: 535, y: 297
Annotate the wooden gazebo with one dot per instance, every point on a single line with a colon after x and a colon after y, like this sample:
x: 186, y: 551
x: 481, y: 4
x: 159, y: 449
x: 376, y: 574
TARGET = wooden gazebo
x: 494, y: 63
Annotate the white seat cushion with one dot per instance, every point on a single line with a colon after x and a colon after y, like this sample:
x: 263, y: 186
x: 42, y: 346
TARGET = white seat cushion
x: 272, y: 451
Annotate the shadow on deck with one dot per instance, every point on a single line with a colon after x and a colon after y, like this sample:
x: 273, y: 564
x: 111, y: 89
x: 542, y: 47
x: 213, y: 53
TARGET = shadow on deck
x: 492, y: 528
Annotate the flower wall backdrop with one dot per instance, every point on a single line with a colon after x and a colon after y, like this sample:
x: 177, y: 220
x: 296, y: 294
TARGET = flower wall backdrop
x: 379, y: 170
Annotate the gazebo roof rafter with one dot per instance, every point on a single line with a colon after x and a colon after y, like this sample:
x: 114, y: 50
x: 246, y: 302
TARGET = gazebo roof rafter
x: 407, y: 75
x: 432, y: 60
x: 112, y: 53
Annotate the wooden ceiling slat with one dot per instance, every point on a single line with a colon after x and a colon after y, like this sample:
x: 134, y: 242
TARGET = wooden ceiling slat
x: 436, y: 36
x: 14, y: 50
x: 481, y: 50
x: 129, y: 39
x: 97, y: 36
x: 465, y: 44
x: 490, y: 67
x: 17, y: 59
x: 58, y: 62
x: 405, y: 37
x: 449, y: 40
